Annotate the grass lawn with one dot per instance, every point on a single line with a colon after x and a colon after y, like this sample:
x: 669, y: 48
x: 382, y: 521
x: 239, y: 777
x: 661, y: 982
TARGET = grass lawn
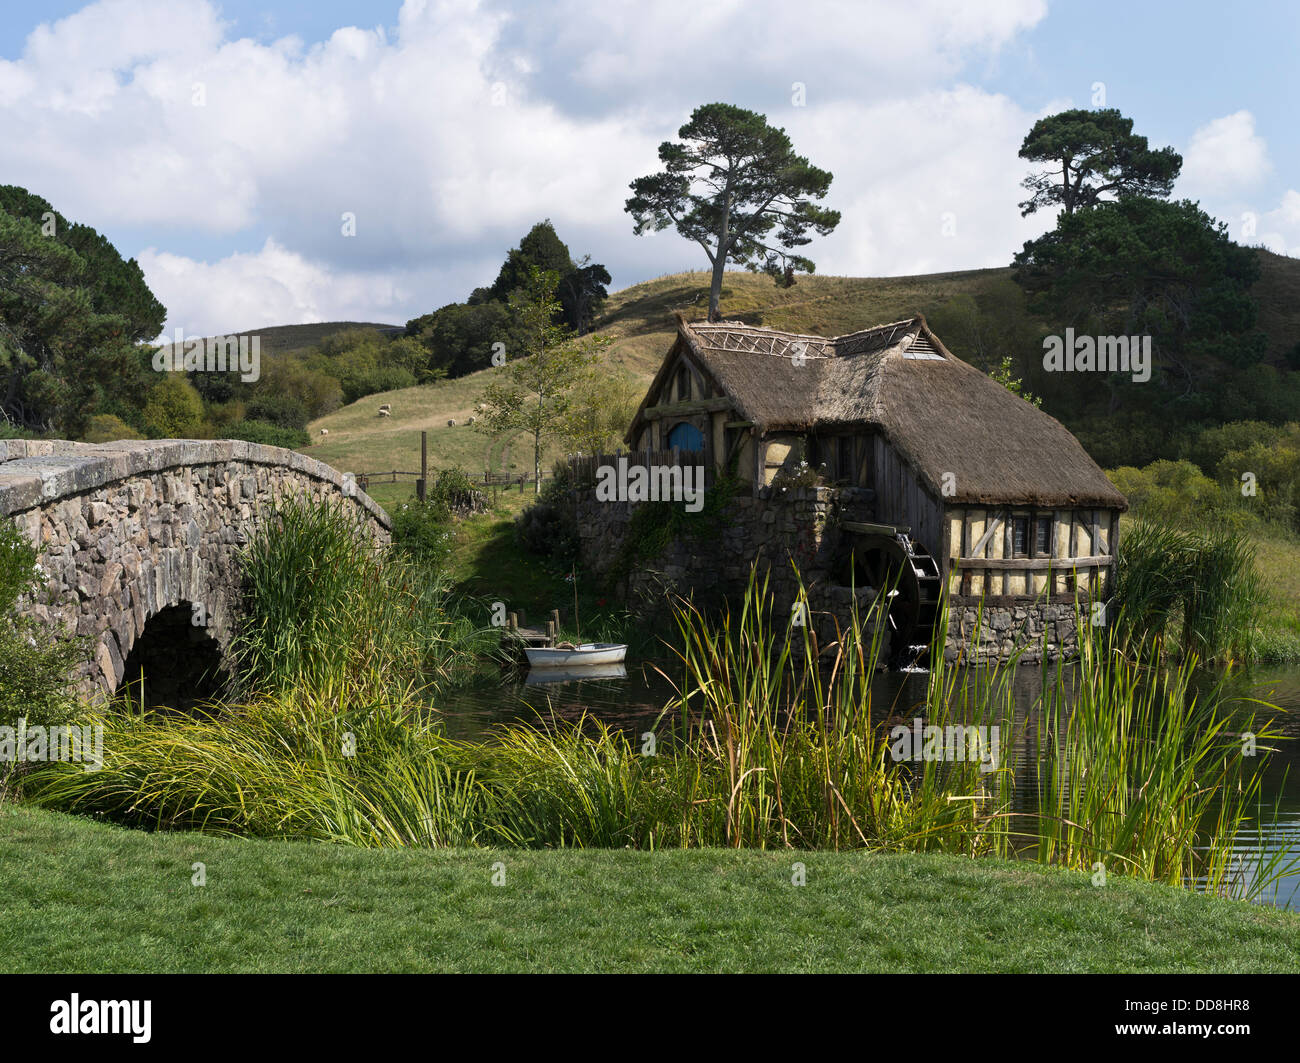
x: 77, y: 895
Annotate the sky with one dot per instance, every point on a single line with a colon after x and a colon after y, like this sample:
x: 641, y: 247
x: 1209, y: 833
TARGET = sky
x: 275, y: 162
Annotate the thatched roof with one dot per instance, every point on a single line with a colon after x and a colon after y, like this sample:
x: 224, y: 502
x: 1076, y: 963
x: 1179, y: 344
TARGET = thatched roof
x: 941, y: 414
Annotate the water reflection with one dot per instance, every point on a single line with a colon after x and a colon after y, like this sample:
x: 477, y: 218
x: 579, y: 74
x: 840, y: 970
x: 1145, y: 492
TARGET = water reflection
x: 635, y: 700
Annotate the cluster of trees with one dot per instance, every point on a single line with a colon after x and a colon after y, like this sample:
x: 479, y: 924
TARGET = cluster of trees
x: 73, y: 314
x: 76, y: 320
x: 461, y: 338
x: 294, y: 387
x: 1122, y: 260
x: 552, y: 384
x: 1240, y: 475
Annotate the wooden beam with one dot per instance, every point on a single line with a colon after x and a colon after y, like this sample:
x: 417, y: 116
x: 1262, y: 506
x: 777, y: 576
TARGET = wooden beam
x: 1008, y: 552
x: 737, y: 424
x: 988, y: 534
x: 1033, y: 564
x: 863, y: 528
x: 672, y: 409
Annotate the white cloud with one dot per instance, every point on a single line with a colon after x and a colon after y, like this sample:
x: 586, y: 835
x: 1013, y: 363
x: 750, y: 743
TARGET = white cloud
x: 931, y: 185
x: 1279, y: 229
x: 403, y: 129
x: 1225, y: 155
x: 276, y: 286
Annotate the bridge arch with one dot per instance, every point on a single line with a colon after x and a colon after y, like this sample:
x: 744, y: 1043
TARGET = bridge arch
x: 134, y: 534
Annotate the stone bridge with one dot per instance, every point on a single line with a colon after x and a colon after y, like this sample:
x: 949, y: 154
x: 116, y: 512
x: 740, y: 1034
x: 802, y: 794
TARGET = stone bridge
x: 140, y: 546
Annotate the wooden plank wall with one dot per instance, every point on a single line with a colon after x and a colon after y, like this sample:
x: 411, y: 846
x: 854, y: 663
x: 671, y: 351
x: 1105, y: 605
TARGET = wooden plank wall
x: 1080, y: 533
x: 900, y: 499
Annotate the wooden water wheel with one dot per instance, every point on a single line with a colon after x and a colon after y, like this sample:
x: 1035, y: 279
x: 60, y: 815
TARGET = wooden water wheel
x: 887, y: 559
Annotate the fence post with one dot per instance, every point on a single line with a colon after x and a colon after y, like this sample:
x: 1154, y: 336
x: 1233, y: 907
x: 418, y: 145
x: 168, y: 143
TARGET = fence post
x: 422, y: 484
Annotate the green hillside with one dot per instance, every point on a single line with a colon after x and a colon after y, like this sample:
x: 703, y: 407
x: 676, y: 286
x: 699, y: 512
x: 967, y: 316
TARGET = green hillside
x: 286, y: 339
x: 639, y: 319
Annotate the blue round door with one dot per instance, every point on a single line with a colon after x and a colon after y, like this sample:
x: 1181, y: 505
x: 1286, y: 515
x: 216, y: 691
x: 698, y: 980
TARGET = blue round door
x: 685, y: 437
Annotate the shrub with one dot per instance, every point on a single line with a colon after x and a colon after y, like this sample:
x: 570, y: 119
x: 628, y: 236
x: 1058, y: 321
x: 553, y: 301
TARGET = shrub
x: 357, y: 384
x: 106, y: 428
x: 454, y: 489
x: 548, y: 529
x: 9, y: 430
x: 267, y: 434
x: 33, y: 667
x: 174, y: 409
x: 283, y: 411
x: 422, y: 530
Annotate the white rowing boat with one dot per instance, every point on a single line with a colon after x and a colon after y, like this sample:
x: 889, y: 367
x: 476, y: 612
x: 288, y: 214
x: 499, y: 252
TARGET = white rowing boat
x: 569, y: 656
x: 577, y: 674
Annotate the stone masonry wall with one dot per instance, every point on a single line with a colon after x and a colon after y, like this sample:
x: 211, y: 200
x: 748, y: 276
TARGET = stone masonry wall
x: 130, y: 529
x: 802, y: 525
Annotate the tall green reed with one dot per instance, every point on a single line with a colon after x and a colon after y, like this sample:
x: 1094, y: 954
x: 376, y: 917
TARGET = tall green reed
x: 1200, y: 591
x: 326, y: 605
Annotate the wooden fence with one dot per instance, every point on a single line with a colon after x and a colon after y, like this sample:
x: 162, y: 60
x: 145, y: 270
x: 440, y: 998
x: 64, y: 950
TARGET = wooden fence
x: 584, y: 467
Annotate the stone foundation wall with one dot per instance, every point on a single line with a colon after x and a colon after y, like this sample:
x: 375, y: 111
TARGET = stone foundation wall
x: 1030, y: 630
x: 713, y: 564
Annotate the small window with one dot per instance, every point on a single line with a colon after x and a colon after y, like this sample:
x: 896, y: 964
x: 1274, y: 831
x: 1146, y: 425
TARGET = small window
x: 1019, y: 536
x: 683, y: 383
x: 1043, y: 537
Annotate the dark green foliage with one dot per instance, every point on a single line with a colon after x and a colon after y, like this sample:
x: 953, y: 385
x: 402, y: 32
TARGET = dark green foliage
x: 461, y: 337
x: 1146, y: 267
x: 422, y: 530
x: 541, y: 248
x: 549, y: 530
x: 269, y: 435
x: 583, y: 293
x: 1091, y: 154
x: 283, y: 411
x: 116, y: 287
x: 73, y: 310
x: 734, y: 185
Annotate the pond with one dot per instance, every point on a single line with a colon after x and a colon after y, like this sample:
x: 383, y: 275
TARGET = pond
x: 634, y: 702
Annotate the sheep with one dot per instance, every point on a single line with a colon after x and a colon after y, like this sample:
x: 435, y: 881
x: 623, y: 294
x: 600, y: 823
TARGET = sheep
x: 385, y: 413
x: 324, y: 431
x: 451, y: 423
x: 471, y: 420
